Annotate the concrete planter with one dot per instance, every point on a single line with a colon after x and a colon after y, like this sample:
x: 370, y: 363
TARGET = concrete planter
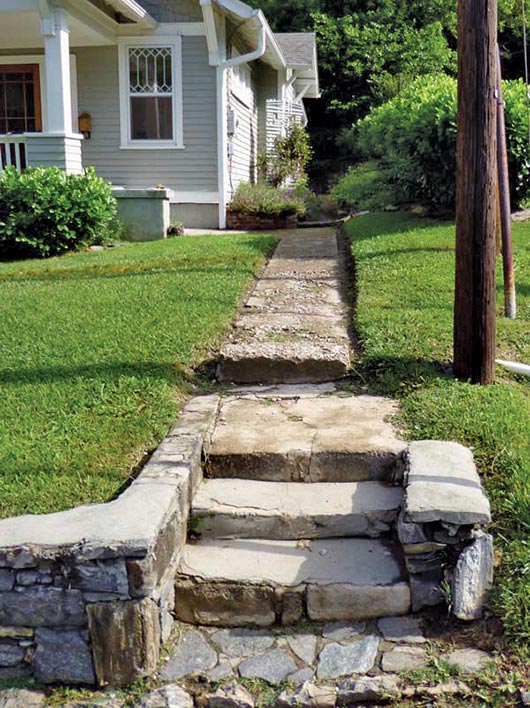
x: 145, y: 213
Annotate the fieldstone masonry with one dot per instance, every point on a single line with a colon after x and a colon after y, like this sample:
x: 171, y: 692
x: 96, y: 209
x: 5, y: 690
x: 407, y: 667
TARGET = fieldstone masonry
x: 441, y: 527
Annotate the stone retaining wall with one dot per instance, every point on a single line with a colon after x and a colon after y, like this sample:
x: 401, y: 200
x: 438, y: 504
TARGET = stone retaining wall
x: 86, y: 595
x: 441, y: 528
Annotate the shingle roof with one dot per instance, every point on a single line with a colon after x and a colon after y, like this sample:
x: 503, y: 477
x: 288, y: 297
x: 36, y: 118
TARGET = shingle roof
x: 297, y: 47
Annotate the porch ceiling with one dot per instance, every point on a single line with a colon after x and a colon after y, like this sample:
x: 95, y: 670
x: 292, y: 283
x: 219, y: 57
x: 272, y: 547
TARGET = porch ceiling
x: 21, y: 30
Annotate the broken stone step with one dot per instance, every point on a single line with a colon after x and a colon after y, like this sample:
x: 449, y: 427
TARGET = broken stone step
x: 304, y: 438
x: 238, y: 508
x: 236, y: 583
x: 284, y: 362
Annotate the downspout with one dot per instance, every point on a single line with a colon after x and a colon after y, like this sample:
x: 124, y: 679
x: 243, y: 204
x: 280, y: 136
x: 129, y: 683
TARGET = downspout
x: 251, y: 56
x: 222, y: 65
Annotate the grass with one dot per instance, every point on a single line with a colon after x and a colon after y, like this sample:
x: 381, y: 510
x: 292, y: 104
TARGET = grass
x: 97, y: 350
x: 405, y: 276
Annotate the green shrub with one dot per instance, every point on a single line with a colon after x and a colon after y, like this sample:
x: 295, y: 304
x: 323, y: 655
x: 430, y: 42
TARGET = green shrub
x: 264, y: 200
x: 413, y: 138
x: 366, y: 186
x: 289, y: 159
x: 45, y: 212
x: 309, y: 199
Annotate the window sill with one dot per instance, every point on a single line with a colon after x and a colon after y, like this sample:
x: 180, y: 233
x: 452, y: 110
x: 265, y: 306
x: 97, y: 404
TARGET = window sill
x: 152, y: 146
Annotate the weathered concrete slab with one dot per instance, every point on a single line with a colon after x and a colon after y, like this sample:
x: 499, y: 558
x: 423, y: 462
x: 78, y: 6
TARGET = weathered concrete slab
x: 443, y: 484
x: 239, y: 508
x: 294, y: 326
x: 276, y: 362
x: 341, y: 579
x: 325, y: 438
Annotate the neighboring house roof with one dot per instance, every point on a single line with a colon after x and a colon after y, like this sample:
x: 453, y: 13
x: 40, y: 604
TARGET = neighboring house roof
x: 298, y: 48
x: 300, y: 52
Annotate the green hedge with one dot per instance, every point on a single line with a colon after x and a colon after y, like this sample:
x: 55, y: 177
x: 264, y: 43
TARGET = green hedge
x: 413, y: 139
x: 45, y: 212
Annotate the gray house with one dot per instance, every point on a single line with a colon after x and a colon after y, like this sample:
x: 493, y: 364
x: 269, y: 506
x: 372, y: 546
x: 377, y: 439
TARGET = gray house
x: 179, y: 93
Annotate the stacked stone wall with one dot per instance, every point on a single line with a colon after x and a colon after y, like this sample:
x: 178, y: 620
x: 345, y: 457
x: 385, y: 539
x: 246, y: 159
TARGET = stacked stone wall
x: 87, y: 595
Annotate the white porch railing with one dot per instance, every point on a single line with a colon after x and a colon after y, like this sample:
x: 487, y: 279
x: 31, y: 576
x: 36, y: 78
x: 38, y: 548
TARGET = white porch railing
x: 12, y: 152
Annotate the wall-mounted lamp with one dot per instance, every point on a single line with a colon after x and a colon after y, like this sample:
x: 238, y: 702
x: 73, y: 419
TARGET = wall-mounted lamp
x: 85, y: 125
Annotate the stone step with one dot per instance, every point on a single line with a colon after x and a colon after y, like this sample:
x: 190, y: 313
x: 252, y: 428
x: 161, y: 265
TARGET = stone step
x: 284, y: 362
x: 286, y: 434
x: 237, y: 583
x: 239, y: 508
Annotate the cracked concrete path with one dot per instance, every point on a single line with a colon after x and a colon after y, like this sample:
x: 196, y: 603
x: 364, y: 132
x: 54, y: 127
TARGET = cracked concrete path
x: 294, y: 326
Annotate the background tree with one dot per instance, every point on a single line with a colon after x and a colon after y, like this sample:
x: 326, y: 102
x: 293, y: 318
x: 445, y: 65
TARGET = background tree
x: 369, y: 50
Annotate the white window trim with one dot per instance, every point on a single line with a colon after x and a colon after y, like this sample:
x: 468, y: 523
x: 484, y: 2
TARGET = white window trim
x: 126, y: 143
x: 40, y: 59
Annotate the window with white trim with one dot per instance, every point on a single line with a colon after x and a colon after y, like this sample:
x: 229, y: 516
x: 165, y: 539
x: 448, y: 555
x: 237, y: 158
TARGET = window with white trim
x: 151, y: 94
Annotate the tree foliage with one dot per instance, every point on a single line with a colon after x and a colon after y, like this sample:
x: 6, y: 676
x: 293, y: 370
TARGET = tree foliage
x: 371, y: 49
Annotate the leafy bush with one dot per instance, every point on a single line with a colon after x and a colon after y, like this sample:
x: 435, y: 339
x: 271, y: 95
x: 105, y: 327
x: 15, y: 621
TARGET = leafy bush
x: 290, y: 157
x: 264, y: 200
x: 365, y: 186
x: 413, y: 138
x: 44, y: 212
x: 309, y: 199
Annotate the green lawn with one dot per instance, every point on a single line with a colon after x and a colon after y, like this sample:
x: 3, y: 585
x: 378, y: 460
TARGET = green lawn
x: 96, y: 352
x: 405, y: 281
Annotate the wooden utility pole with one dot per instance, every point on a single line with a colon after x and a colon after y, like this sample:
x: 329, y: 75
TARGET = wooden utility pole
x: 476, y: 184
x: 510, y: 305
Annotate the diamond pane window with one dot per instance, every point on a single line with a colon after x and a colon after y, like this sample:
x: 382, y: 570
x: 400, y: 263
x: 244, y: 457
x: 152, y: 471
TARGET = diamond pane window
x: 151, y: 93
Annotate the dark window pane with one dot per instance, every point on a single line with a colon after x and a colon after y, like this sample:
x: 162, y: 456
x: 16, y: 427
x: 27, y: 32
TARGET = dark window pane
x: 151, y: 118
x: 15, y: 100
x: 16, y: 125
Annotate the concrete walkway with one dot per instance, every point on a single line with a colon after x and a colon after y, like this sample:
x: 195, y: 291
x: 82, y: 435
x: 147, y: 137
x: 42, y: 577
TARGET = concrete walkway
x: 294, y: 326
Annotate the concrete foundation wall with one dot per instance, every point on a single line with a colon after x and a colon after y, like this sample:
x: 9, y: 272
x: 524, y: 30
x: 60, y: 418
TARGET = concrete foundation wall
x: 196, y: 216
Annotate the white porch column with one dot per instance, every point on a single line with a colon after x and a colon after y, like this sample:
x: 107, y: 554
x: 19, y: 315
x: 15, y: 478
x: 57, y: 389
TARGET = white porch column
x: 58, y: 87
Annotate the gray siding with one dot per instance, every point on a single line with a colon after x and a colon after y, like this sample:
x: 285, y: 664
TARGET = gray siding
x: 191, y: 169
x: 174, y: 10
x: 242, y: 165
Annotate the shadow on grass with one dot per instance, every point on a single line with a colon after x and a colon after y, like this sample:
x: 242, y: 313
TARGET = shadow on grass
x: 173, y: 373
x: 396, y: 376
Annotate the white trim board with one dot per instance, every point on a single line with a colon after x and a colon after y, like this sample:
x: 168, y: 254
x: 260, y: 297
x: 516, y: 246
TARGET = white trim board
x: 177, y: 197
x: 164, y: 29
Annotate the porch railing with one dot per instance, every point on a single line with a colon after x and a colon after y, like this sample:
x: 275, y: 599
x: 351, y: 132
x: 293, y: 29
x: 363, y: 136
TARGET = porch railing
x: 12, y: 152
